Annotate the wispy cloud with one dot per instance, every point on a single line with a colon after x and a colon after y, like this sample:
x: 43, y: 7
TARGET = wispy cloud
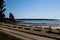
x: 43, y: 3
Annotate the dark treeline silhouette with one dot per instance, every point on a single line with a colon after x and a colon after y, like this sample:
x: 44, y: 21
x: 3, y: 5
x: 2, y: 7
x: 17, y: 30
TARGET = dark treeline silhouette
x: 2, y: 10
x: 2, y: 14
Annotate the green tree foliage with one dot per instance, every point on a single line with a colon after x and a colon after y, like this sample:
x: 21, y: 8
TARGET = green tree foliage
x: 11, y: 18
x: 3, y: 17
x: 2, y: 10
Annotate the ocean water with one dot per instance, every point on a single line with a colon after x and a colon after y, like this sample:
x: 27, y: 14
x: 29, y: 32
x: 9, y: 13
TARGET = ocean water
x: 55, y: 21
x: 51, y: 21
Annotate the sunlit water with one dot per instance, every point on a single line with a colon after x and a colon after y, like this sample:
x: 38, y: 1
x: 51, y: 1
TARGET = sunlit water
x: 51, y: 21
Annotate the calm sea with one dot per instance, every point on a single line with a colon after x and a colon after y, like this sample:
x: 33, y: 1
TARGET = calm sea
x: 52, y: 21
x: 55, y: 21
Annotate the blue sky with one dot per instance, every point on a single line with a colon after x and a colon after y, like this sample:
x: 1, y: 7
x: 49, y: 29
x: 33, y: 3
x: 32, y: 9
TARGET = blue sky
x: 47, y: 9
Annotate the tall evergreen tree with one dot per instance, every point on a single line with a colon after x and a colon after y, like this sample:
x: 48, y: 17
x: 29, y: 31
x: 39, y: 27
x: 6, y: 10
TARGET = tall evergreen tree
x: 11, y: 17
x: 2, y: 10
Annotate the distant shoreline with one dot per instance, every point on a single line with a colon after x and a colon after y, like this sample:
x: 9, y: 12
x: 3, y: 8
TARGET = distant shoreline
x: 43, y: 21
x: 35, y: 19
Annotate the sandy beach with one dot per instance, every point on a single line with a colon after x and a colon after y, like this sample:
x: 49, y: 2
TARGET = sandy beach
x: 35, y: 31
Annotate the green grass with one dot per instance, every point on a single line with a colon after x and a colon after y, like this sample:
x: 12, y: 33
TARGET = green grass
x: 4, y: 36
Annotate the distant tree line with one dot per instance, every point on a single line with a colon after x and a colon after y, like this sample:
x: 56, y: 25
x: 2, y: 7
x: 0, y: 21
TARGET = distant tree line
x: 3, y: 18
